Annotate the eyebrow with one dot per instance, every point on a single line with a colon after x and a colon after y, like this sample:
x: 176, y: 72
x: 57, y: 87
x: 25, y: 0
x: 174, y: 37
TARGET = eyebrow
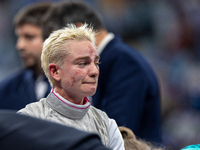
x: 97, y: 57
x: 87, y: 57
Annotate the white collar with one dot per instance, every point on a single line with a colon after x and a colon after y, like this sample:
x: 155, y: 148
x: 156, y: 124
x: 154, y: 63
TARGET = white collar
x: 41, y: 87
x: 87, y: 102
x: 104, y: 42
x: 65, y: 107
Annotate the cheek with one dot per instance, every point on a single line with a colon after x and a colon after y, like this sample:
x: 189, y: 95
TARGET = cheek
x: 78, y: 76
x: 36, y: 51
x: 79, y: 72
x: 73, y: 81
x: 37, y: 43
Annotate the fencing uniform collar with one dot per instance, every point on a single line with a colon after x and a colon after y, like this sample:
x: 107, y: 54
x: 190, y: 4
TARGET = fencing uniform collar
x: 67, y: 108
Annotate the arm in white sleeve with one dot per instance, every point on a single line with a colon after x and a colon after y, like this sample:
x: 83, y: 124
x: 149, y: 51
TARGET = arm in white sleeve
x: 116, y: 140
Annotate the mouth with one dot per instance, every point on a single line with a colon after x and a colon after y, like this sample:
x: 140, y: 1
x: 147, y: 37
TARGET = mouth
x: 23, y: 55
x: 93, y: 82
x: 89, y: 83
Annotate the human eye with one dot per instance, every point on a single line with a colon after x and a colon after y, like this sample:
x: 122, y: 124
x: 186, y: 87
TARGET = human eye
x: 82, y: 64
x: 29, y: 37
x: 97, y: 64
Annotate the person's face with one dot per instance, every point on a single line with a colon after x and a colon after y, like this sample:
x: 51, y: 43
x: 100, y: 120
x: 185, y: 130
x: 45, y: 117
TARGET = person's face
x: 79, y: 74
x: 29, y: 44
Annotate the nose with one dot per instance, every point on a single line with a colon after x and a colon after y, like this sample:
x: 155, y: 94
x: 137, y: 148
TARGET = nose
x: 20, y: 44
x: 94, y: 70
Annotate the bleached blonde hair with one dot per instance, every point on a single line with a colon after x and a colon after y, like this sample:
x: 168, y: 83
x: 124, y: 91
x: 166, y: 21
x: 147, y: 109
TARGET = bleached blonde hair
x: 55, y: 48
x: 133, y: 143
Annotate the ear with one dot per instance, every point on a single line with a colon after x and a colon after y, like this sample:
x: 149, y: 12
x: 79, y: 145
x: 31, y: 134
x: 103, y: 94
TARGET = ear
x: 53, y: 71
x: 78, y: 24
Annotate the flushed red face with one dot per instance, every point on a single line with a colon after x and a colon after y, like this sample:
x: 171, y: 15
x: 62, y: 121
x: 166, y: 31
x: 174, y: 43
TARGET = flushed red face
x: 80, y: 72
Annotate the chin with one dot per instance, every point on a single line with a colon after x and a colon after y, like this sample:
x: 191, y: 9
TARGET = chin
x: 91, y: 93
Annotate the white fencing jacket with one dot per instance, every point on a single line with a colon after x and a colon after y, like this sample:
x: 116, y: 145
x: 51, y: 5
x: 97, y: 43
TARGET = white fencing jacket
x: 83, y: 117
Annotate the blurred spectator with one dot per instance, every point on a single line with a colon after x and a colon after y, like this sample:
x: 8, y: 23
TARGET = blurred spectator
x: 29, y: 84
x: 166, y: 32
x: 133, y: 143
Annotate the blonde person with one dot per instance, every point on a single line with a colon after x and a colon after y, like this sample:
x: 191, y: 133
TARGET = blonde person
x: 126, y: 80
x: 132, y: 143
x: 71, y: 64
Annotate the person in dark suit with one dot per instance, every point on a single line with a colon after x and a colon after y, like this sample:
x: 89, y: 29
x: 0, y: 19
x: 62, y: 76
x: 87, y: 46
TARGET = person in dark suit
x: 20, y: 132
x: 128, y: 89
x: 30, y: 84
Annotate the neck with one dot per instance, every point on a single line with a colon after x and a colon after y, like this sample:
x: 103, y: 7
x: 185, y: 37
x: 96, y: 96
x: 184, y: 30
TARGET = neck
x: 72, y: 99
x: 38, y: 72
x: 100, y: 36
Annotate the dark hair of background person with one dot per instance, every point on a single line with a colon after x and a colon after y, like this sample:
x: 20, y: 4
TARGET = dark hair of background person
x: 53, y: 19
x: 31, y: 14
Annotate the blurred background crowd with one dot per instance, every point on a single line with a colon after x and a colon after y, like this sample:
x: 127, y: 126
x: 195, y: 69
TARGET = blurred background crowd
x: 167, y: 32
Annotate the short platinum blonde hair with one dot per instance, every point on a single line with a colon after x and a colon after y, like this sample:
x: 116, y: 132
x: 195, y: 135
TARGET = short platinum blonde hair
x: 55, y: 48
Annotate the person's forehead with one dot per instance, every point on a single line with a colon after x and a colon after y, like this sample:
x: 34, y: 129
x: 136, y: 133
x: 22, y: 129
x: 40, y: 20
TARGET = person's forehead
x: 29, y: 28
x: 81, y: 50
x: 80, y: 46
x: 28, y: 25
